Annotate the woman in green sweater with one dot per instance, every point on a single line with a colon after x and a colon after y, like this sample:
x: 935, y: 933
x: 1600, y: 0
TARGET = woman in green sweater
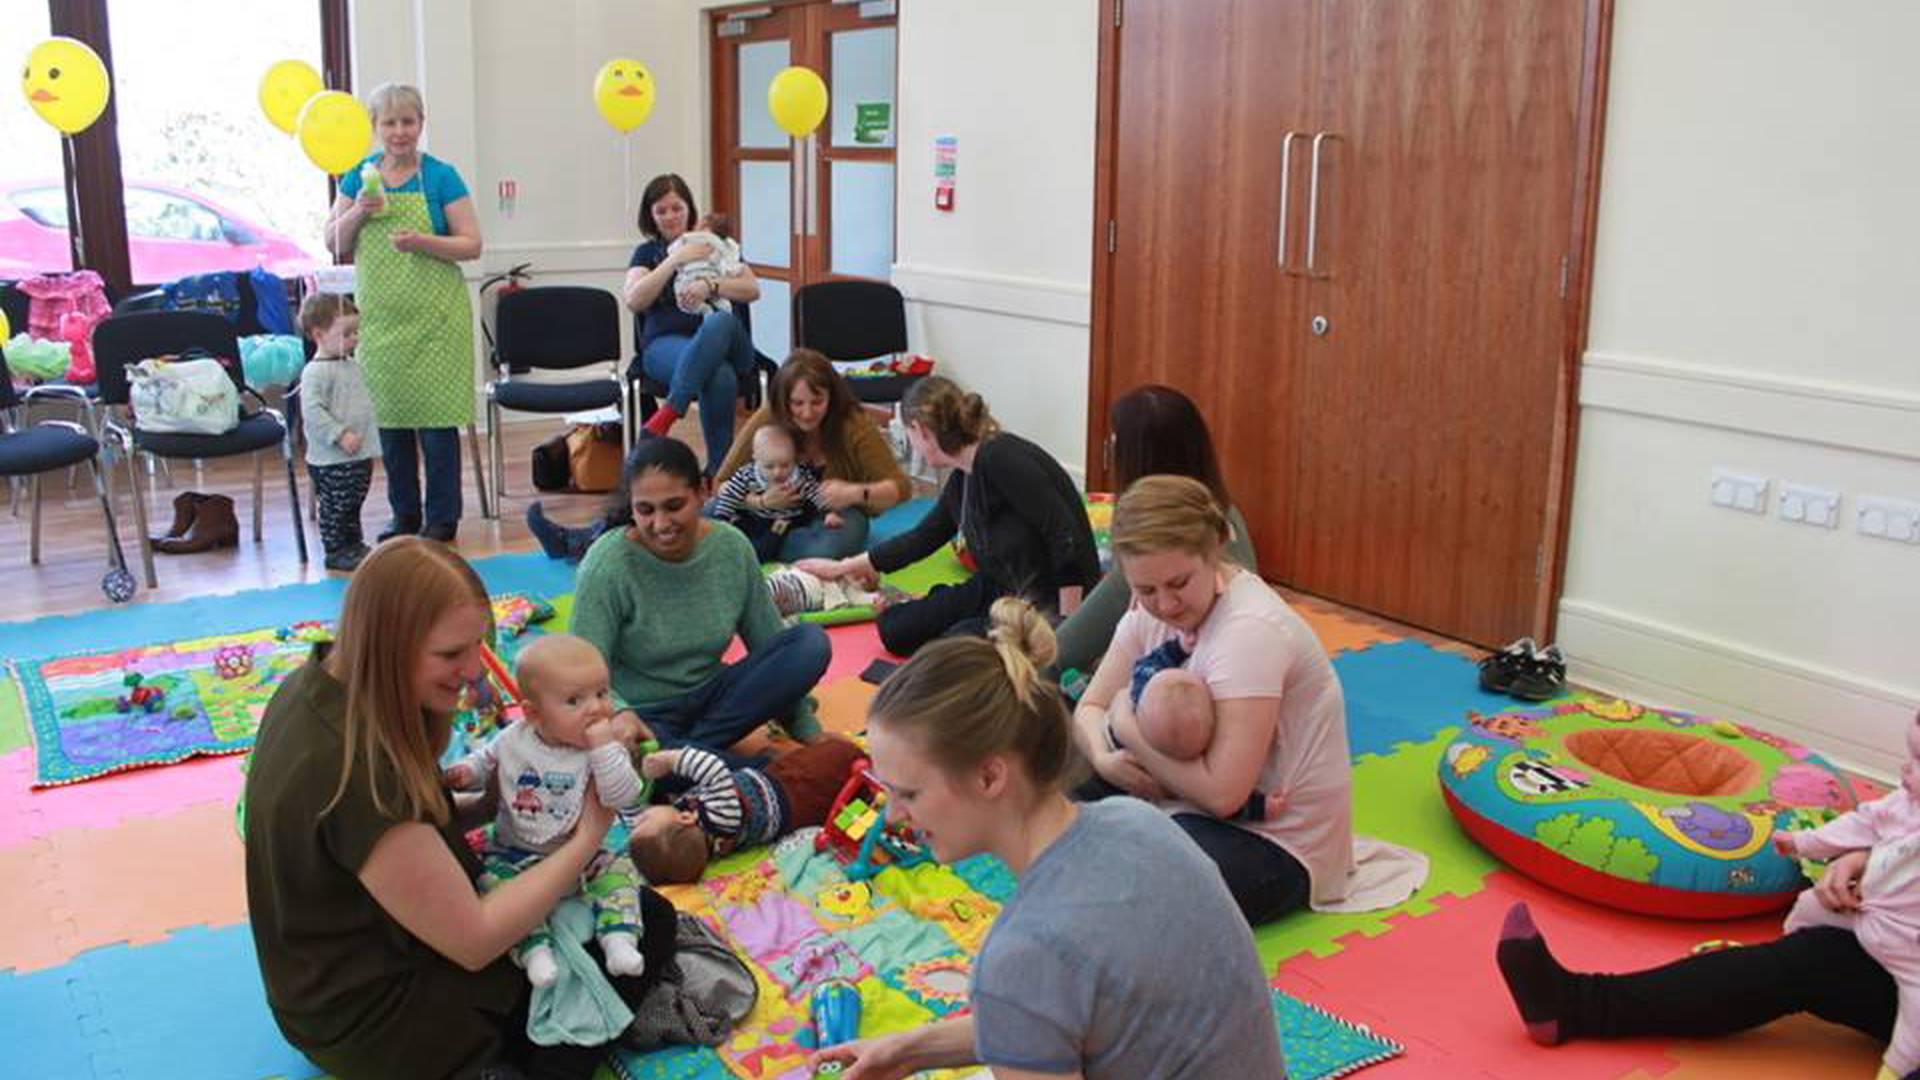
x: 663, y: 597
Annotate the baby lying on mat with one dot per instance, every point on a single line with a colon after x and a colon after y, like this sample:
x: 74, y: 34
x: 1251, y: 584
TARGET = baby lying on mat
x: 543, y: 764
x: 727, y: 809
x: 795, y: 591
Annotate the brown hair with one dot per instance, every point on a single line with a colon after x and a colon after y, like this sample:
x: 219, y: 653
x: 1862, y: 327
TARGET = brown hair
x: 659, y: 188
x: 964, y: 699
x: 392, y: 604
x: 676, y: 856
x: 956, y: 418
x: 719, y: 224
x: 317, y: 312
x: 1169, y: 513
x: 1157, y: 429
x: 814, y: 369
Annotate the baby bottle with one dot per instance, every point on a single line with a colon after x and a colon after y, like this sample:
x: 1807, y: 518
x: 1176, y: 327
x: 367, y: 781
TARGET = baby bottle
x: 370, y: 181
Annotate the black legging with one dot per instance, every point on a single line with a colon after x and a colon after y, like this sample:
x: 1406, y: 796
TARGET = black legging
x: 521, y: 1059
x: 1265, y: 881
x: 948, y: 609
x: 1820, y: 970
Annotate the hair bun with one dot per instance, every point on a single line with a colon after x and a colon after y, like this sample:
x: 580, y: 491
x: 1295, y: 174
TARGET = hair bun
x: 1024, y: 639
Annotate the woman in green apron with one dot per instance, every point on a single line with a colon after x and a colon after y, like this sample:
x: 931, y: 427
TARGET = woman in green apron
x: 407, y: 238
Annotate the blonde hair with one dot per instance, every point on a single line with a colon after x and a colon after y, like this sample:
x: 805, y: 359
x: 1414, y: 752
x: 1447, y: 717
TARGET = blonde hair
x: 677, y: 855
x: 957, y: 419
x: 1169, y: 513
x: 319, y: 311
x: 393, y: 97
x: 392, y: 604
x: 533, y: 666
x: 965, y: 699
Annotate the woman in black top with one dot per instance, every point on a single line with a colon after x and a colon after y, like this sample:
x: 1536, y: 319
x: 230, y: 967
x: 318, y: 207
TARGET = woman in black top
x: 699, y: 356
x: 1024, y: 522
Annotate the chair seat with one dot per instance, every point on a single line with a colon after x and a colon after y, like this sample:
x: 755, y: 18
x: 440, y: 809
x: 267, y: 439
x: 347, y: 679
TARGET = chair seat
x: 256, y: 432
x: 882, y: 389
x: 43, y: 449
x: 555, y: 397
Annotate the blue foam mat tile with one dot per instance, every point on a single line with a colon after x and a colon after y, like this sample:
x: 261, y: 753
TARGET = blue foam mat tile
x: 42, y: 1026
x: 897, y: 520
x: 1405, y: 691
x: 191, y: 1006
x: 141, y: 624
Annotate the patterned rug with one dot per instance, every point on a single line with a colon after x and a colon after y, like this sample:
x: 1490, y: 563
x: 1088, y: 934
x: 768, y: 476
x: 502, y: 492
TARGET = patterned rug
x: 906, y: 939
x: 97, y: 713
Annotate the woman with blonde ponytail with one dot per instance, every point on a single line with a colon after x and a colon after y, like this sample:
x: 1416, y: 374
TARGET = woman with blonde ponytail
x: 975, y: 749
x: 1023, y: 520
x: 380, y: 957
x: 1280, y: 724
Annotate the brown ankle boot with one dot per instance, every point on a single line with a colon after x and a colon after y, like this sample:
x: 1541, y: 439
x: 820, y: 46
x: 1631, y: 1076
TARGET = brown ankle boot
x: 214, y: 525
x: 184, y: 505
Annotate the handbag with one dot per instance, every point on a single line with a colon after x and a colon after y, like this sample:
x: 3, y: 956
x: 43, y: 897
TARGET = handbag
x: 595, y: 456
x: 551, y: 468
x: 184, y: 397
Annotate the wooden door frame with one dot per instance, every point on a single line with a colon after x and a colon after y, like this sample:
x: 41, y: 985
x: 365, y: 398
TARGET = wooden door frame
x: 1590, y: 131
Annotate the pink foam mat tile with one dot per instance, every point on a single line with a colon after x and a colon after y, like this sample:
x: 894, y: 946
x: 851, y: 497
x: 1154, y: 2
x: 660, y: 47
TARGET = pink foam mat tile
x: 1432, y: 978
x: 27, y: 814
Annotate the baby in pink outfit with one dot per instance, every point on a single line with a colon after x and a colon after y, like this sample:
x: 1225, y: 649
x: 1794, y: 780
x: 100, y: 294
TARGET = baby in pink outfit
x: 1887, y: 922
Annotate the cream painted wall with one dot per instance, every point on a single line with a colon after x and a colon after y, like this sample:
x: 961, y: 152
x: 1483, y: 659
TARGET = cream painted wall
x: 999, y: 288
x: 1758, y: 251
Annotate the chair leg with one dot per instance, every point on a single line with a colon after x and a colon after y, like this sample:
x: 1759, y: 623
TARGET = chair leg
x: 259, y: 474
x: 33, y: 555
x: 489, y: 505
x: 293, y: 497
x: 140, y: 518
x: 497, y: 455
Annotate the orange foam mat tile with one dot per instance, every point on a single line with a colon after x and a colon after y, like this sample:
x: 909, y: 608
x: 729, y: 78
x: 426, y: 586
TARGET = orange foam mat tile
x: 36, y: 926
x: 136, y: 882
x: 1795, y: 1048
x: 1338, y: 633
x: 843, y: 705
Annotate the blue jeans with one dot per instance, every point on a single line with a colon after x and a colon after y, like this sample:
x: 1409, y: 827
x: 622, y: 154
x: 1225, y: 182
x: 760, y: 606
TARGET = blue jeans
x: 401, y: 449
x: 816, y: 541
x: 766, y: 684
x: 707, y: 366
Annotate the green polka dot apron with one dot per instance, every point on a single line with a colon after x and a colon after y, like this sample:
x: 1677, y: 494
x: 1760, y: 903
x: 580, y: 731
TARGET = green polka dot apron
x: 416, y: 323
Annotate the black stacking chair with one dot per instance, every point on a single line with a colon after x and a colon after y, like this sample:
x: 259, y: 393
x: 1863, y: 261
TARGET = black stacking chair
x: 849, y: 321
x: 33, y: 450
x: 552, y: 328
x: 120, y: 340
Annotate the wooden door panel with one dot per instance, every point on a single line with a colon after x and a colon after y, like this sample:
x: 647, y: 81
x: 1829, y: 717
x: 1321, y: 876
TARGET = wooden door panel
x: 1206, y: 89
x: 1427, y: 412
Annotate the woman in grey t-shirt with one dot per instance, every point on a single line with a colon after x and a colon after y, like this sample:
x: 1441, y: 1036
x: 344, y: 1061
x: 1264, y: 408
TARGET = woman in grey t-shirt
x: 1122, y: 954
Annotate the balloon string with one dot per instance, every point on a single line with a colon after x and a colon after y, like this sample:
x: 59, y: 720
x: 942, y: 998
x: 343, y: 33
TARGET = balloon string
x: 626, y: 184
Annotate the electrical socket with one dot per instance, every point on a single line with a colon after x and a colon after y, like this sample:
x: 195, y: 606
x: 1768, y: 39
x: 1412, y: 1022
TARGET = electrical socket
x: 1739, y: 491
x: 1810, y: 505
x: 1888, y: 519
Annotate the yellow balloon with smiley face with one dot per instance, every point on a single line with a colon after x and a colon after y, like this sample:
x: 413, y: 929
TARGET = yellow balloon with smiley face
x: 334, y: 131
x: 623, y: 92
x: 66, y: 84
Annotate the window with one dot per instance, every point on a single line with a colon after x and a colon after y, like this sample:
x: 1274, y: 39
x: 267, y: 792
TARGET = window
x: 204, y: 181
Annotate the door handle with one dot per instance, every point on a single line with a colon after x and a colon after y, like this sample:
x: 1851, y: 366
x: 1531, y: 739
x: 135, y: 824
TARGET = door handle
x: 1286, y: 176
x: 1313, y: 200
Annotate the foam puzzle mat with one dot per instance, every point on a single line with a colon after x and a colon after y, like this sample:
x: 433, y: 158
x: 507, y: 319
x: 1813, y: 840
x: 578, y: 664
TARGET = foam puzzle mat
x: 124, y: 951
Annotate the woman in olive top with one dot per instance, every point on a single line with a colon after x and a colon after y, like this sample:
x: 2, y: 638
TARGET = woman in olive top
x: 380, y: 957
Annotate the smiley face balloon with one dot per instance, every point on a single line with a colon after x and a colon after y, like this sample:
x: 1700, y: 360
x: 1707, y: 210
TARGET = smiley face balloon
x: 334, y: 131
x: 623, y: 92
x: 66, y: 84
x: 284, y: 89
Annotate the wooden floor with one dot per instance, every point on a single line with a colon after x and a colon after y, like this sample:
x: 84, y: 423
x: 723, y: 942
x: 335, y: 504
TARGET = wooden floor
x: 73, y: 555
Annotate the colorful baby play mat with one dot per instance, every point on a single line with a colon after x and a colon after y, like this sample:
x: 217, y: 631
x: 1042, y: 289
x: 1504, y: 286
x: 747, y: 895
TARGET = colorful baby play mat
x: 93, y: 714
x: 906, y: 939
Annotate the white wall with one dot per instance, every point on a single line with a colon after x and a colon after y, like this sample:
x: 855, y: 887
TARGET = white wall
x: 1757, y: 258
x: 999, y: 288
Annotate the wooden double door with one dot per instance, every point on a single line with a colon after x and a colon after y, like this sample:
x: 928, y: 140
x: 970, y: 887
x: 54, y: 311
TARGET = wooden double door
x: 1355, y: 232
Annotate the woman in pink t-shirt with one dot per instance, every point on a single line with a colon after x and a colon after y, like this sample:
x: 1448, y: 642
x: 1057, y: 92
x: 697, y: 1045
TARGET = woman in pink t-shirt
x: 1279, y: 717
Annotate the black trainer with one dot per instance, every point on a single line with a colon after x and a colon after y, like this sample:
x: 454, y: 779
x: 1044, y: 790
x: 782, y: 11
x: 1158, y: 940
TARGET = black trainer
x: 1540, y: 676
x: 1498, y: 671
